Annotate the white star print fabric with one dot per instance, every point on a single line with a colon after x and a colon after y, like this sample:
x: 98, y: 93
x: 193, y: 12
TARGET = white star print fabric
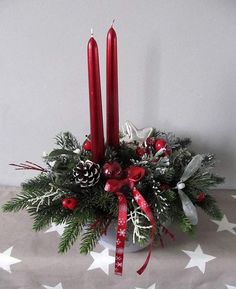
x: 230, y: 287
x: 153, y: 286
x: 56, y: 228
x: 225, y: 225
x: 6, y: 260
x: 101, y: 260
x: 206, y: 260
x: 58, y: 286
x: 198, y: 259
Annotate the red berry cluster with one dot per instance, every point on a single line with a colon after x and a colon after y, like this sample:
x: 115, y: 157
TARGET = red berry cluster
x: 154, y: 145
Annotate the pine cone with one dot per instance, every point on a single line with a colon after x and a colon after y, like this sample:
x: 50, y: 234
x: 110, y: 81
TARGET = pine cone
x: 87, y: 173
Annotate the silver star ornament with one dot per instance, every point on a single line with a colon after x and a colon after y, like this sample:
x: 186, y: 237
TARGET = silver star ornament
x: 132, y: 134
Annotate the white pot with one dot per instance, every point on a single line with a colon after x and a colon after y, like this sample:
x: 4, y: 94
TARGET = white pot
x: 109, y: 240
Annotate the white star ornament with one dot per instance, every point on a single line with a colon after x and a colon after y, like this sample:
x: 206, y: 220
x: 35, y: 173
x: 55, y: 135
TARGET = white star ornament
x: 131, y: 133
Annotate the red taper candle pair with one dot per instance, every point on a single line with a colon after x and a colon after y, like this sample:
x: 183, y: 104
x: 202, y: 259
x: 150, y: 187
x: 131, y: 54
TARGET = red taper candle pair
x: 96, y: 119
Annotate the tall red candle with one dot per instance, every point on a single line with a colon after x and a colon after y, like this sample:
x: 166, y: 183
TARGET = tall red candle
x: 95, y: 101
x: 112, y: 90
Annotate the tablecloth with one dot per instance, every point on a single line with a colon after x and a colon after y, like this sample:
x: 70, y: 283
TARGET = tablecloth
x: 207, y: 260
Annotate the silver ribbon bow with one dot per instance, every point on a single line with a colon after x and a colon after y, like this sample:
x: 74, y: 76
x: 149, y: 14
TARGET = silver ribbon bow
x: 188, y: 207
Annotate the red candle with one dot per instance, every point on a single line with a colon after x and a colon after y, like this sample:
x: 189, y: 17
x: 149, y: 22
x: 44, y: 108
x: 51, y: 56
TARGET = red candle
x: 112, y: 90
x: 95, y: 101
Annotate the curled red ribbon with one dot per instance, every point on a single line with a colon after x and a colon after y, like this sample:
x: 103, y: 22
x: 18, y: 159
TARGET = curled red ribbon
x: 134, y: 175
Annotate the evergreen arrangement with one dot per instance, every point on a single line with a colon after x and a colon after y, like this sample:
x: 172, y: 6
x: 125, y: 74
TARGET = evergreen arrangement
x: 140, y: 180
x: 71, y: 189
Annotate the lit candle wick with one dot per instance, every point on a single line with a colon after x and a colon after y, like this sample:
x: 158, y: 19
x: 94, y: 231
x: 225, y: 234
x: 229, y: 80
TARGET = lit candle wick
x: 91, y: 32
x: 113, y: 21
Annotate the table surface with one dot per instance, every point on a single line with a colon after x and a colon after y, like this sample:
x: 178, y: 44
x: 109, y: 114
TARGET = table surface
x: 207, y: 260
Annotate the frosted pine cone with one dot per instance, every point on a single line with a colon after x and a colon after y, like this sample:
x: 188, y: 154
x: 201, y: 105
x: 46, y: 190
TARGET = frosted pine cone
x: 87, y: 173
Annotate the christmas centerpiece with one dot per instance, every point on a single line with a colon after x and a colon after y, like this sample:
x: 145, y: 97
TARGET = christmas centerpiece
x: 140, y: 179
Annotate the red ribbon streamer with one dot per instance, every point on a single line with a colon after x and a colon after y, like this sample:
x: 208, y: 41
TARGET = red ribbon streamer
x: 134, y: 175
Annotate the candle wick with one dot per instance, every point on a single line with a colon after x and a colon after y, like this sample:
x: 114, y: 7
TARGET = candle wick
x: 91, y: 32
x: 113, y: 21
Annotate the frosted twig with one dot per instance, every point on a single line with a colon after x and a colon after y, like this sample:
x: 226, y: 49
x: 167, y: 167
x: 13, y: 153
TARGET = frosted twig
x: 134, y: 217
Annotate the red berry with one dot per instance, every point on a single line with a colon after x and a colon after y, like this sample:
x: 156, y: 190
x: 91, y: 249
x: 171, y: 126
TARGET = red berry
x: 160, y: 144
x: 112, y: 170
x: 140, y: 151
x: 87, y: 145
x: 69, y: 203
x: 150, y: 141
x: 201, y: 197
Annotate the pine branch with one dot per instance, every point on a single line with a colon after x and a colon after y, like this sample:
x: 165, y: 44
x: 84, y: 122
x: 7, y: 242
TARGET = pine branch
x: 41, y: 221
x: 203, y: 181
x: 91, y: 236
x: 72, y: 230
x: 45, y: 214
x: 18, y: 203
x: 186, y: 225
x: 211, y: 208
x: 40, y: 184
x: 67, y: 141
x: 32, y: 189
x: 184, y: 142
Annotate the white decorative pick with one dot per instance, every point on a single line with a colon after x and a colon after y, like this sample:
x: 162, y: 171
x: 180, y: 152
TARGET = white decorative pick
x: 131, y: 133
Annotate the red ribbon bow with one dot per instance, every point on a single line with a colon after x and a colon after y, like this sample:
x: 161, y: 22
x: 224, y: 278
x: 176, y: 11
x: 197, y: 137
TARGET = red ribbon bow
x: 134, y: 175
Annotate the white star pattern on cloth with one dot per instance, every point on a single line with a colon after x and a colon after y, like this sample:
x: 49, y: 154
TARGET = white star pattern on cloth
x: 198, y: 259
x: 58, y: 286
x: 225, y: 225
x: 153, y: 286
x: 6, y: 260
x: 102, y: 260
x: 230, y: 287
x: 56, y: 228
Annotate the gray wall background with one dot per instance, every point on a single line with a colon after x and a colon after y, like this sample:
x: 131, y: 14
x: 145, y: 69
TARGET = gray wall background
x: 177, y: 72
